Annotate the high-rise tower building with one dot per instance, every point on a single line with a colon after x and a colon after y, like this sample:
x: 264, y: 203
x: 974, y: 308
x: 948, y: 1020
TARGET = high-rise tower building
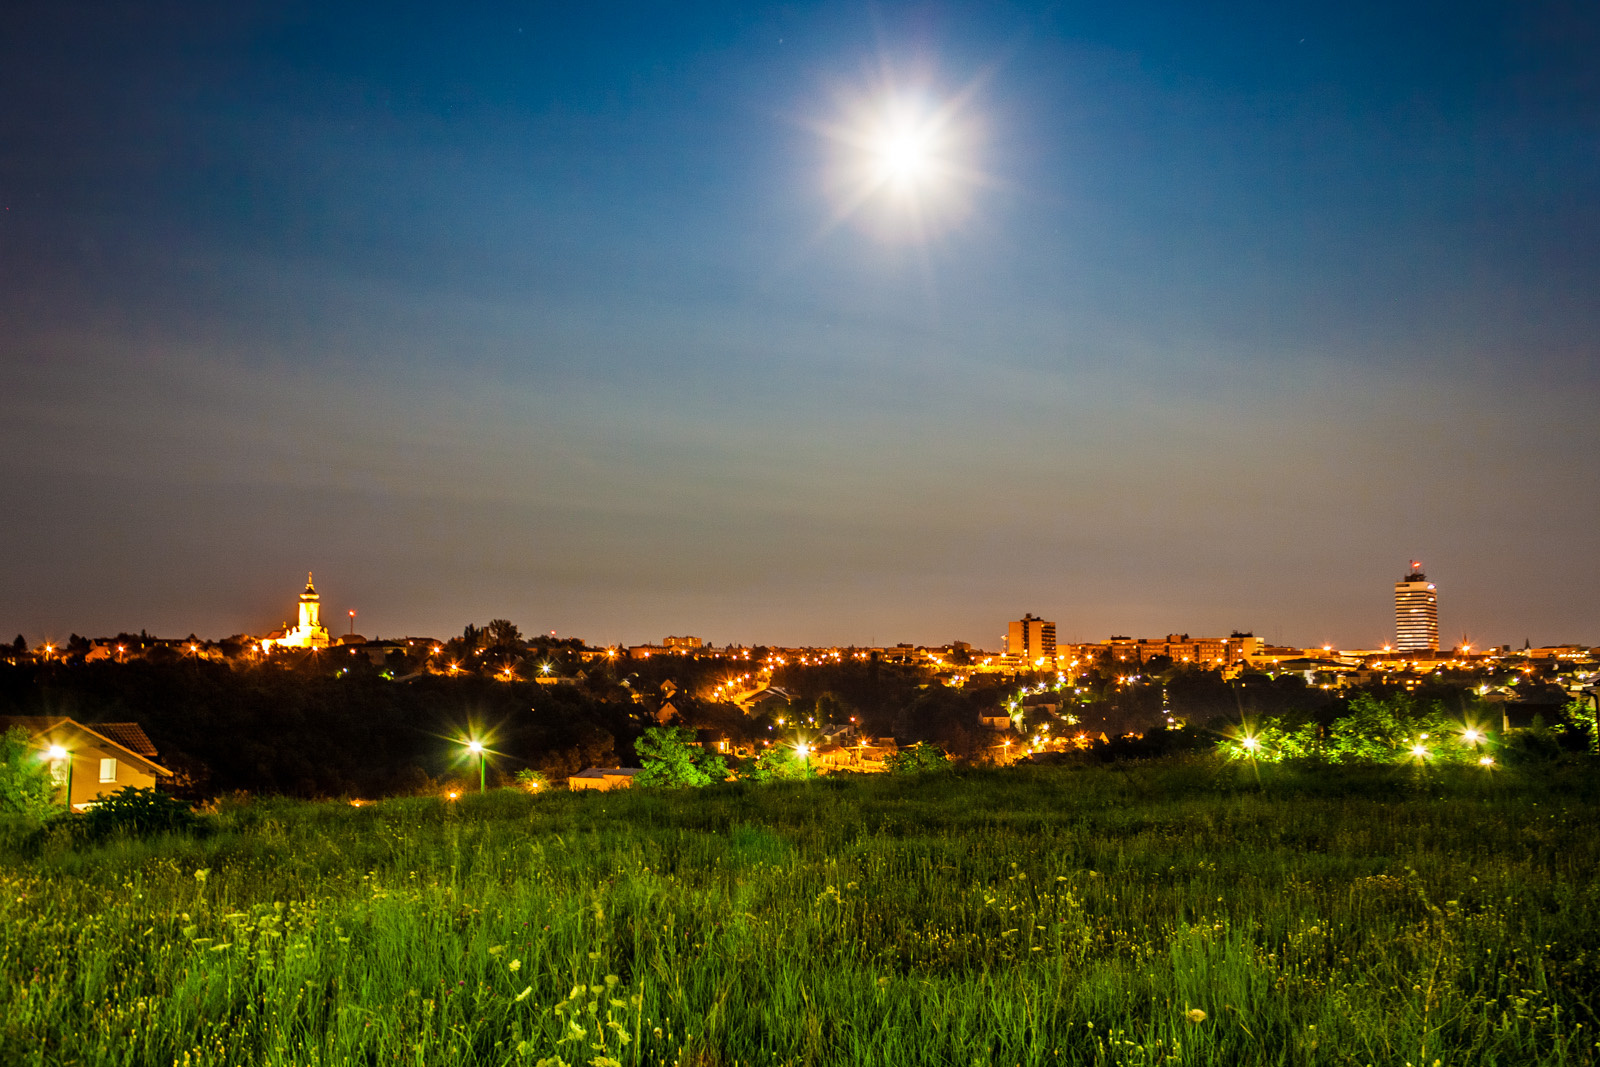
x: 1033, y: 641
x: 1416, y: 612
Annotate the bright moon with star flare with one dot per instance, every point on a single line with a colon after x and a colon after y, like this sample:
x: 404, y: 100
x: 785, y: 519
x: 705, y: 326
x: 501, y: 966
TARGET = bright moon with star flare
x: 902, y: 162
x: 905, y: 150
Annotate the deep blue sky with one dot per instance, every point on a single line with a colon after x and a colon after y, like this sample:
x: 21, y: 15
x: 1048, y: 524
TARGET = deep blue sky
x: 537, y: 312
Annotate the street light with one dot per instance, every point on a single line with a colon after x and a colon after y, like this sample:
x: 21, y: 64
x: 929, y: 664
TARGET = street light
x: 476, y: 749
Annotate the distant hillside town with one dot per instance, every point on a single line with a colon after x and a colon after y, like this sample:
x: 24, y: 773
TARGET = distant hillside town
x: 304, y: 711
x: 501, y: 651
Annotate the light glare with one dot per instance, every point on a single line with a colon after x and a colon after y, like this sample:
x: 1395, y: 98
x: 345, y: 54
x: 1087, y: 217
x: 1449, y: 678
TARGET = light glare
x: 902, y: 159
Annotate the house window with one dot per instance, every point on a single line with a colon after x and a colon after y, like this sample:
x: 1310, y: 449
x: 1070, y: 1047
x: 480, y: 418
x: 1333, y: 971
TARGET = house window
x: 108, y: 770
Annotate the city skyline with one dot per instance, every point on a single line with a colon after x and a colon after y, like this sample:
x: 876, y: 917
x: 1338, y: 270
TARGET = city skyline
x: 1413, y: 598
x: 820, y: 324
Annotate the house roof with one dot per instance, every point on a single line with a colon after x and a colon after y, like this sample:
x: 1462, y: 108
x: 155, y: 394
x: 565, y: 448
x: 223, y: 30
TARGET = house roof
x: 609, y: 772
x: 127, y: 736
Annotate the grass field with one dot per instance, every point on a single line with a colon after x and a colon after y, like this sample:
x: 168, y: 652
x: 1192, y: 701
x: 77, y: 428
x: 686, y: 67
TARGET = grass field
x: 1180, y: 913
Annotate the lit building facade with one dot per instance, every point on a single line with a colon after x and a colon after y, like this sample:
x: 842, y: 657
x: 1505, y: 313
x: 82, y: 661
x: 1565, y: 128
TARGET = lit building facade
x: 1416, y: 612
x: 683, y: 644
x: 310, y: 633
x: 1032, y: 642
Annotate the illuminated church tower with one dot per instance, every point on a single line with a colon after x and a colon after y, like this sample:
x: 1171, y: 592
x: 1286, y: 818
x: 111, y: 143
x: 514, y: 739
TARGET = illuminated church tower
x: 310, y: 633
x: 1416, y: 612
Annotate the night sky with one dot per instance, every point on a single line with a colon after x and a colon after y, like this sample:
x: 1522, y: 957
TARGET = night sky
x: 1212, y: 318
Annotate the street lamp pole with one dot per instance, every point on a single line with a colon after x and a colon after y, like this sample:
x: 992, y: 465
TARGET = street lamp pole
x: 476, y: 748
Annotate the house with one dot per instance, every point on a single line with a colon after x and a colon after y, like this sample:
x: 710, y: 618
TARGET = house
x: 604, y: 778
x: 92, y: 761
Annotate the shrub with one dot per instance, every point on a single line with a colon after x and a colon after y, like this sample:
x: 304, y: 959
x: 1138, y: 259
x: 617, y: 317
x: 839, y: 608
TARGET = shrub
x: 1273, y: 739
x: 921, y: 758
x: 778, y: 763
x: 530, y: 780
x: 1372, y: 730
x: 138, y: 813
x: 1534, y: 745
x: 1582, y: 715
x: 669, y: 757
x: 26, y: 787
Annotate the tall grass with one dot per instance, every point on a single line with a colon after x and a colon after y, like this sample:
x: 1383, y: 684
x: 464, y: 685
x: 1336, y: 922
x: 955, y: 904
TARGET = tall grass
x: 1165, y: 914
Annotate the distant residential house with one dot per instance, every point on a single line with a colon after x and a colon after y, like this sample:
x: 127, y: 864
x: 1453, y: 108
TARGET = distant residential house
x: 114, y: 651
x: 604, y: 778
x: 99, y: 760
x: 761, y: 696
x: 865, y: 754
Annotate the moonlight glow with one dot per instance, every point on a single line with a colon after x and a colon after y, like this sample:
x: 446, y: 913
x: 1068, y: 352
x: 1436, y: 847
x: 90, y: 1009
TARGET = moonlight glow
x: 902, y: 161
x: 905, y: 152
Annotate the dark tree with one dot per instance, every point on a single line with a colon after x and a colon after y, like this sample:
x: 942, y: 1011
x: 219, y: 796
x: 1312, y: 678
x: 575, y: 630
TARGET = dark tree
x: 504, y: 635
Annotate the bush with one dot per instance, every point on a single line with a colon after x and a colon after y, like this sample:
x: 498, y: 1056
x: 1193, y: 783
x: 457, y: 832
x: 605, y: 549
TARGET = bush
x: 138, y: 813
x: 778, y: 763
x: 26, y: 787
x: 921, y: 758
x: 1534, y: 745
x: 530, y: 780
x: 670, y: 757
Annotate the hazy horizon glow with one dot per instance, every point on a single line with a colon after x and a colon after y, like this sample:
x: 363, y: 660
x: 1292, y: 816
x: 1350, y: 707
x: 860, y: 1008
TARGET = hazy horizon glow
x: 801, y: 326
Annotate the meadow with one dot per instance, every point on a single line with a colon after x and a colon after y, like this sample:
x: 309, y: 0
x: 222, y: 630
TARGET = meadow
x: 1171, y: 912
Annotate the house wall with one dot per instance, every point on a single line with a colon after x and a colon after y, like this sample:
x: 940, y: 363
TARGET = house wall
x: 86, y: 784
x: 615, y: 782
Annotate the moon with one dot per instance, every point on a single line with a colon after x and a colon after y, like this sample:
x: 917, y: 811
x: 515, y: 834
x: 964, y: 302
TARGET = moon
x: 902, y: 164
x: 904, y: 151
